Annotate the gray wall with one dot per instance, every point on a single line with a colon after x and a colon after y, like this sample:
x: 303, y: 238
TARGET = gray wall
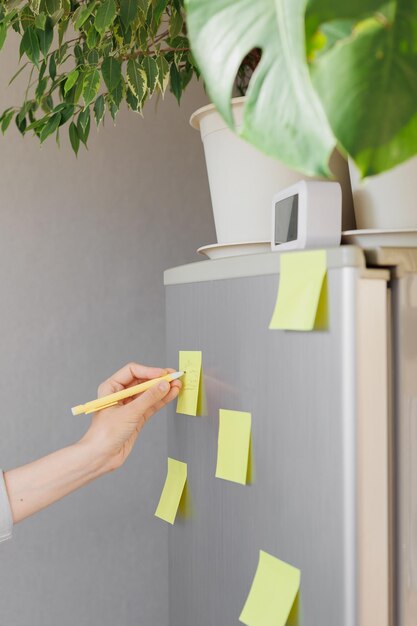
x: 83, y: 243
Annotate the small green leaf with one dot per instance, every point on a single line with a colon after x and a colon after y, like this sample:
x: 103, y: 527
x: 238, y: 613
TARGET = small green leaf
x: 83, y: 13
x: 66, y: 110
x: 45, y: 37
x: 21, y: 124
x: 91, y: 86
x: 30, y: 45
x: 99, y: 108
x: 83, y: 119
x: 62, y: 29
x: 50, y: 126
x: 52, y: 6
x: 175, y: 24
x: 40, y: 21
x: 40, y: 89
x: 175, y: 82
x: 93, y: 57
x: 52, y: 66
x: 111, y: 70
x: 83, y: 125
x: 3, y: 34
x: 128, y: 11
x: 71, y: 80
x: 6, y: 119
x: 92, y: 37
x: 163, y: 72
x: 105, y: 15
x: 74, y: 138
x: 136, y: 78
x: 151, y: 71
x: 132, y: 100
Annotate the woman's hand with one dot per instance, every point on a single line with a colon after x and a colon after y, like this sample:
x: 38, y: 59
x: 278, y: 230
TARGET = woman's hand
x: 113, y: 431
x: 105, y: 446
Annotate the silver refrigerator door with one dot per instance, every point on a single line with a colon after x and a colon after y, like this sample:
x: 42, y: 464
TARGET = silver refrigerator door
x: 319, y: 498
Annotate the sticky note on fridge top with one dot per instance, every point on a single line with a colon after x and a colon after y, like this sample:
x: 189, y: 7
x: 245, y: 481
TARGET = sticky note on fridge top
x: 173, y: 490
x: 302, y: 294
x: 272, y: 594
x: 190, y: 398
x: 234, y: 446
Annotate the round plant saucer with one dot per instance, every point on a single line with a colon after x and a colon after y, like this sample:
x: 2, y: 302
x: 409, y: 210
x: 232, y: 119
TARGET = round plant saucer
x: 375, y: 238
x: 223, y: 250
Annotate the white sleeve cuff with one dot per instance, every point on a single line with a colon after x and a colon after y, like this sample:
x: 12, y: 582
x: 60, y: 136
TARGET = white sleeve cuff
x: 6, y: 519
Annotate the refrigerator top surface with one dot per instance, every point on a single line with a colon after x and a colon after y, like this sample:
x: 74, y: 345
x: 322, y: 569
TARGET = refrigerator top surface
x: 254, y: 265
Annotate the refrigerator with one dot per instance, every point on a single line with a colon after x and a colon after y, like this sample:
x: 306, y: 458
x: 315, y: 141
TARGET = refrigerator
x: 334, y: 440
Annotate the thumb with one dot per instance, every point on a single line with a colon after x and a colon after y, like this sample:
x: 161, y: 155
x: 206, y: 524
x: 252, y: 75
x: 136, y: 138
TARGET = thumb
x: 149, y: 398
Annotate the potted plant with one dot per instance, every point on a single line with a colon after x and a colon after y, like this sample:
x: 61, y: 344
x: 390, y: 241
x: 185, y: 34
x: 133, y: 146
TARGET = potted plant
x: 331, y: 75
x: 84, y: 59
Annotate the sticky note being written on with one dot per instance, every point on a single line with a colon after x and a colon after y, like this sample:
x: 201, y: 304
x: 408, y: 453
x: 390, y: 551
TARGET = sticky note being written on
x: 234, y: 446
x: 273, y: 592
x: 302, y: 294
x: 190, y: 397
x: 173, y: 490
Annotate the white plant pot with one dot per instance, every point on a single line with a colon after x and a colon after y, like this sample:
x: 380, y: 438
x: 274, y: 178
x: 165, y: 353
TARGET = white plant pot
x: 243, y: 180
x: 387, y: 201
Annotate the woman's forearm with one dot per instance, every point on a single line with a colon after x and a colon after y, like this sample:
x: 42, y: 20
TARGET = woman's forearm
x: 36, y: 485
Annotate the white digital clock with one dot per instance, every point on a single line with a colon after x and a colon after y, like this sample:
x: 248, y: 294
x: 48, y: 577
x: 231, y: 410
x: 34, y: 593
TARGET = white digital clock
x: 307, y: 215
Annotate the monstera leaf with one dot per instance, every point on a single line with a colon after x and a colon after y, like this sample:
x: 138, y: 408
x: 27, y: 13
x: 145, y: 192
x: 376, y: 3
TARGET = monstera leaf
x: 367, y: 79
x: 283, y: 116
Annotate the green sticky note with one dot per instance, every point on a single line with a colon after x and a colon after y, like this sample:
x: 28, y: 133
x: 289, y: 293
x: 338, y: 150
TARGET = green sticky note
x: 173, y: 490
x: 234, y: 444
x: 273, y: 592
x: 302, y: 292
x: 190, y: 398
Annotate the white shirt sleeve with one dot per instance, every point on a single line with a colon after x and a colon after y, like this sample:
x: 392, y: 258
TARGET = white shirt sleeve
x: 6, y: 519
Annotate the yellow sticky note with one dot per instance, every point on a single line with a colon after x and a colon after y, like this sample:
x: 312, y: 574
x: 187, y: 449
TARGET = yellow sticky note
x: 302, y: 291
x: 172, y: 491
x: 190, y: 397
x: 234, y: 444
x: 273, y: 592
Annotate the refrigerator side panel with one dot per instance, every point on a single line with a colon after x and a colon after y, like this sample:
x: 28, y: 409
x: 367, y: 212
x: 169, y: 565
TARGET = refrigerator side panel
x: 404, y: 310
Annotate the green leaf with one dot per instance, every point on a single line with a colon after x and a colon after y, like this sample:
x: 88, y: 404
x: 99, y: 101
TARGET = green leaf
x: 152, y: 73
x: 282, y: 115
x: 175, y: 24
x: 83, y: 13
x: 83, y: 119
x: 105, y: 15
x: 45, y: 37
x: 368, y: 86
x: 40, y: 21
x: 118, y: 93
x: 93, y: 57
x: 50, y: 126
x: 30, y: 45
x: 91, y: 86
x: 136, y: 79
x: 175, y: 82
x: 132, y: 100
x: 99, y: 109
x: 40, y: 89
x: 62, y: 29
x: 111, y: 70
x: 3, y: 34
x: 83, y: 125
x: 52, y: 6
x: 66, y: 110
x: 21, y: 124
x: 52, y: 66
x: 6, y: 119
x: 163, y: 72
x: 71, y: 80
x: 74, y: 138
x: 128, y: 11
x: 92, y: 37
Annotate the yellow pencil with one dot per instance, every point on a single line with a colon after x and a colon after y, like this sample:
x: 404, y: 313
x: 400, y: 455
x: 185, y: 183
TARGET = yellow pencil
x: 106, y: 401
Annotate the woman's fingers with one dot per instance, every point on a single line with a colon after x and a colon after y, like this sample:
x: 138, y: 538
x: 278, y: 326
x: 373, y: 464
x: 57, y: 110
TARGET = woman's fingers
x: 128, y: 375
